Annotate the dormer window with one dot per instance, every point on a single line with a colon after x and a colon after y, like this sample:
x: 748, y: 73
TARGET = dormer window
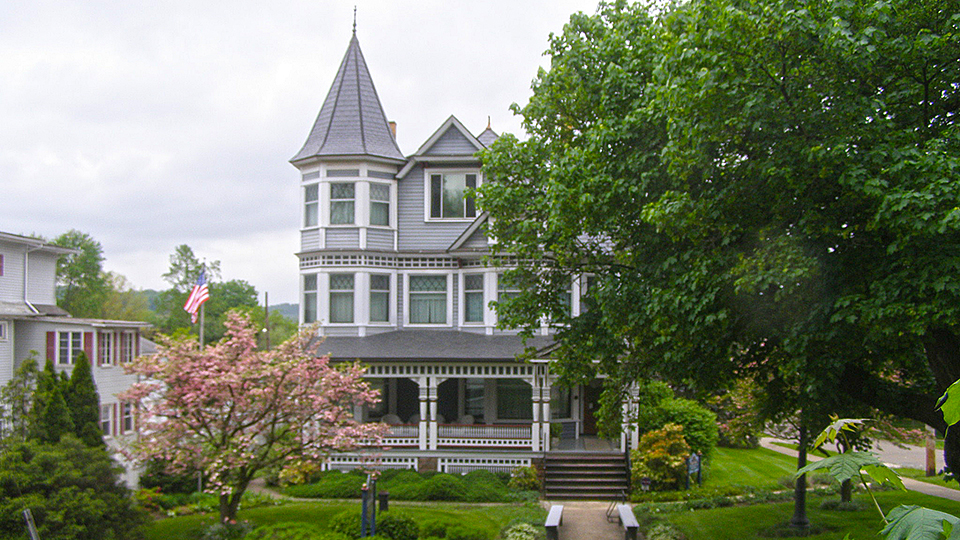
x: 448, y: 195
x: 342, y: 198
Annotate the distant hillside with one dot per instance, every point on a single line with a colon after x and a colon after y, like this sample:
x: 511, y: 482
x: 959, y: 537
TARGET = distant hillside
x: 290, y: 311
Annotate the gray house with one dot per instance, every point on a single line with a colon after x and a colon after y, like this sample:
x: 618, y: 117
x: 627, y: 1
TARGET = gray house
x: 393, y: 268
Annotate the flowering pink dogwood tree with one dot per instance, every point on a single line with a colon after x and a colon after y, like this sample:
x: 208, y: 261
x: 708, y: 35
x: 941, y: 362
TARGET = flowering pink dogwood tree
x: 231, y: 410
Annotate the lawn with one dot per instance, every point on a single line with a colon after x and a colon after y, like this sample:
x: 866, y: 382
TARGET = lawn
x: 758, y: 467
x: 739, y: 523
x: 487, y: 517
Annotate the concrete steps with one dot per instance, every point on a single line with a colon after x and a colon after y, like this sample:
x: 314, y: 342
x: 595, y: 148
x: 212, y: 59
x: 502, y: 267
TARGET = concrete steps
x: 585, y: 476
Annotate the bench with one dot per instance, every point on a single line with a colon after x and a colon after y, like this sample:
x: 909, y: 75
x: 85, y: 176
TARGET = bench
x: 629, y: 522
x: 554, y: 520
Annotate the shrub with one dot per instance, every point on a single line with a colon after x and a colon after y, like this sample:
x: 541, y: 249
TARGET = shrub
x: 397, y: 526
x: 661, y: 456
x: 435, y: 528
x: 664, y: 531
x: 347, y: 523
x: 699, y: 423
x: 156, y: 476
x: 332, y: 486
x: 444, y: 487
x: 230, y: 530
x: 460, y: 532
x: 292, y: 531
x: 524, y: 479
x: 521, y: 531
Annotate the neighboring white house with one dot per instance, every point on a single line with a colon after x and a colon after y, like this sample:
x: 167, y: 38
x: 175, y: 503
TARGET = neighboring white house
x: 392, y: 267
x: 32, y: 324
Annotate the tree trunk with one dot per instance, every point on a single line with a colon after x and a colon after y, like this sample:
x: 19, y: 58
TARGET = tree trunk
x: 799, y: 519
x: 943, y: 355
x: 230, y: 504
x: 846, y: 491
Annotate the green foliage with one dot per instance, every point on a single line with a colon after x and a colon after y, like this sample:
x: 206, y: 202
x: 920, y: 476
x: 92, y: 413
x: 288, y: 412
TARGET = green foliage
x: 444, y: 487
x: 228, y: 530
x: 660, y: 456
x: 524, y: 479
x: 347, y: 523
x: 461, y: 532
x: 82, y: 286
x: 699, y: 423
x: 333, y: 485
x: 16, y: 402
x: 522, y: 531
x: 52, y: 418
x: 156, y: 475
x: 83, y: 403
x: 290, y: 531
x: 397, y: 526
x: 73, y: 491
x: 435, y: 527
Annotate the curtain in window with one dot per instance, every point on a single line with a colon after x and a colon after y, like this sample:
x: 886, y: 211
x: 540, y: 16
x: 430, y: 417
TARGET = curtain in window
x: 341, y: 203
x: 379, y: 204
x: 341, y: 298
x: 473, y: 298
x: 428, y: 299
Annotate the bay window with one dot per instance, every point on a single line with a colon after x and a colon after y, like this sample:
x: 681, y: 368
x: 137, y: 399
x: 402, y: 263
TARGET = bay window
x: 473, y: 298
x: 342, y: 198
x: 379, y: 204
x: 310, y: 298
x: 379, y: 298
x: 311, y: 208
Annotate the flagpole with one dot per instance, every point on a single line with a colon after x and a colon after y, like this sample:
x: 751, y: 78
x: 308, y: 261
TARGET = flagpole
x: 202, y: 313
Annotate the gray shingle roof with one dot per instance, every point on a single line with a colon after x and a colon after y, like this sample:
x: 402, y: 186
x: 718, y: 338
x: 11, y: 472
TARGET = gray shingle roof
x: 428, y: 345
x: 488, y: 136
x: 351, y: 121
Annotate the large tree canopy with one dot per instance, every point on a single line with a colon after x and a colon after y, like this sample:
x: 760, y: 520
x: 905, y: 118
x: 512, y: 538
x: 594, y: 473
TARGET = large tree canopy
x: 761, y: 188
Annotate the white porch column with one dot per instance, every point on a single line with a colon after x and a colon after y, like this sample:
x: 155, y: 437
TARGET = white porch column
x: 432, y: 396
x: 546, y: 419
x: 423, y: 384
x: 629, y: 434
x: 535, y: 429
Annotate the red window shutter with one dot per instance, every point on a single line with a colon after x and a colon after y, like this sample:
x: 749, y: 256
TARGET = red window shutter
x: 122, y: 349
x: 136, y: 344
x: 100, y: 337
x: 114, y: 426
x: 52, y: 346
x: 88, y: 345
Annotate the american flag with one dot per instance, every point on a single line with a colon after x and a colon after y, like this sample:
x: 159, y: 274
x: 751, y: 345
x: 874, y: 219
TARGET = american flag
x: 198, y: 296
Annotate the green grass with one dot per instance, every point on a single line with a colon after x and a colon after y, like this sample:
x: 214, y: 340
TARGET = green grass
x: 760, y: 467
x: 490, y: 518
x: 739, y: 523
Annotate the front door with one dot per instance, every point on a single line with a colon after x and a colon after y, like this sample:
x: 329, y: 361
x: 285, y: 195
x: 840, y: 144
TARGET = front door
x: 591, y: 402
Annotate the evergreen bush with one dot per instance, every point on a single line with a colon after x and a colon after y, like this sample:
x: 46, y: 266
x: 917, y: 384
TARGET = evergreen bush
x: 397, y: 526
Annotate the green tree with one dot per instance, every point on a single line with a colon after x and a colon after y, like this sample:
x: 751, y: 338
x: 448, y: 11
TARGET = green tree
x: 123, y: 302
x: 83, y: 402
x: 52, y: 419
x: 72, y: 490
x: 760, y: 188
x: 82, y: 286
x: 16, y: 402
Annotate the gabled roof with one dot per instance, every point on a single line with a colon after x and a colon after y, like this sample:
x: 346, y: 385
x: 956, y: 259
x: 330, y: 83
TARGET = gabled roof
x: 351, y: 121
x: 488, y: 136
x: 423, y: 153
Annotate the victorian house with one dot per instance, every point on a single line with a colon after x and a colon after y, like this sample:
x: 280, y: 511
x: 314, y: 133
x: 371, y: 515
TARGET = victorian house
x: 394, y: 268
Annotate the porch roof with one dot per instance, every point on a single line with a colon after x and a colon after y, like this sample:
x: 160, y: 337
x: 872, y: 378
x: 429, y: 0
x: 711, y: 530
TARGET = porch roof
x: 429, y: 345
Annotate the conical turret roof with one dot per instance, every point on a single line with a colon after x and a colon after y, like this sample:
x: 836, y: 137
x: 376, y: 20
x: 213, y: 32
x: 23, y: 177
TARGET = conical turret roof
x: 351, y: 121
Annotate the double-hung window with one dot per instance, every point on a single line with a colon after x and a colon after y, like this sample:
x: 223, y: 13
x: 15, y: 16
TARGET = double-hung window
x: 311, y: 205
x: 428, y: 299
x: 70, y: 346
x: 448, y: 198
x: 342, y: 198
x: 128, y: 347
x: 105, y: 348
x: 310, y: 298
x: 473, y: 298
x: 127, y: 424
x: 341, y: 298
x: 106, y: 419
x: 506, y: 289
x: 379, y: 298
x: 380, y: 204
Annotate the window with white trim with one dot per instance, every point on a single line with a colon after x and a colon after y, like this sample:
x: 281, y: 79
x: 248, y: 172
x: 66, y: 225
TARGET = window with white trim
x: 126, y: 421
x: 106, y: 419
x: 428, y: 299
x: 448, y: 198
x: 379, y: 204
x: 342, y: 198
x: 70, y: 345
x: 341, y: 298
x: 105, y: 353
x: 505, y: 289
x: 3, y: 331
x: 310, y: 298
x: 311, y: 205
x: 379, y: 298
x: 473, y: 298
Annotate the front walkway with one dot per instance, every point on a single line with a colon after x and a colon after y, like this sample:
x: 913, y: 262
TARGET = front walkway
x: 894, y: 458
x: 586, y: 520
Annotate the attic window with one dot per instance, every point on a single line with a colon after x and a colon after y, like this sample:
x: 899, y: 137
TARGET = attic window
x: 448, y: 198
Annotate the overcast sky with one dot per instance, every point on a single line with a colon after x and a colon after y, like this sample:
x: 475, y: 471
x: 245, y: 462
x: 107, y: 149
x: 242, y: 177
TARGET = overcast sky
x: 154, y: 124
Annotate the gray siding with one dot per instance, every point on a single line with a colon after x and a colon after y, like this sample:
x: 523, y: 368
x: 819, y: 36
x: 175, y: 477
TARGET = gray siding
x: 380, y: 239
x: 451, y: 143
x: 343, y: 238
x: 477, y: 240
x: 415, y: 233
x: 41, y: 281
x: 310, y: 240
x: 11, y: 282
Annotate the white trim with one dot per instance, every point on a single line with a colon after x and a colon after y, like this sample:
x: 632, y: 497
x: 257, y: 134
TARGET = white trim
x: 406, y: 298
x: 4, y: 332
x: 442, y: 130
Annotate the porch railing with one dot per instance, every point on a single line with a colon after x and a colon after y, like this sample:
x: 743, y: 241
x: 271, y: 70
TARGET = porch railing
x: 484, y: 435
x: 402, y: 435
